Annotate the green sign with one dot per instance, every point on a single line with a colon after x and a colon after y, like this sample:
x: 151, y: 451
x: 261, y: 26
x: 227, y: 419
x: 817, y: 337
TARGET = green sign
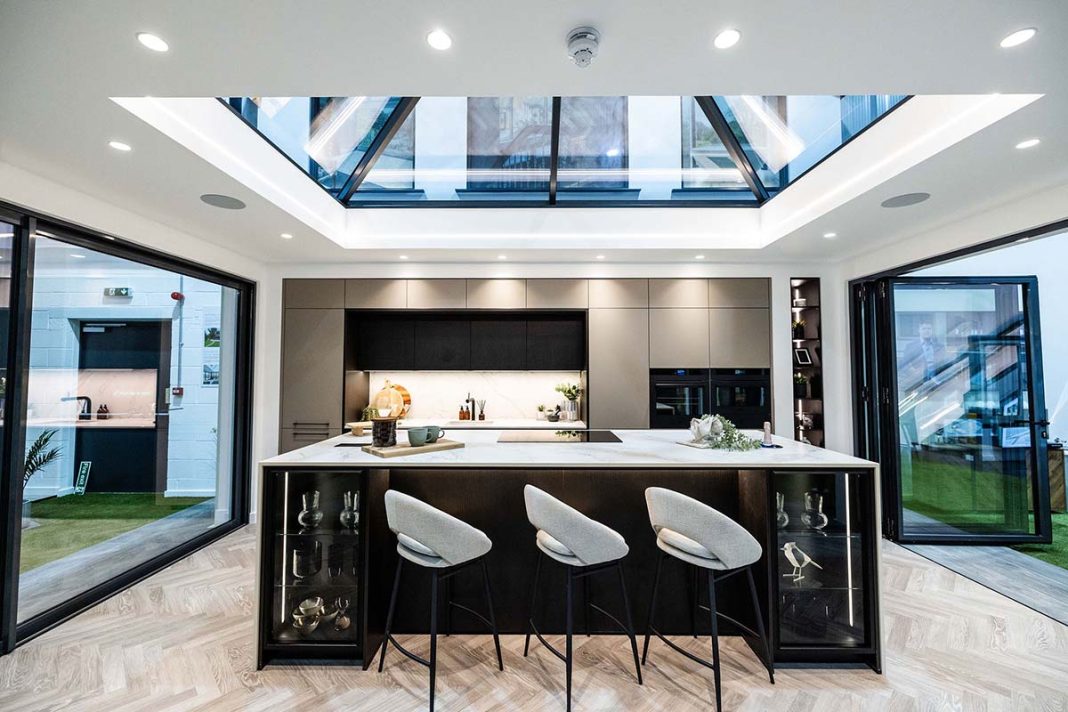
x: 83, y: 477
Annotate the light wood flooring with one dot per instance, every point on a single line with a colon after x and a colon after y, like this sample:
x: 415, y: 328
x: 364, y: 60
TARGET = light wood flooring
x: 182, y: 640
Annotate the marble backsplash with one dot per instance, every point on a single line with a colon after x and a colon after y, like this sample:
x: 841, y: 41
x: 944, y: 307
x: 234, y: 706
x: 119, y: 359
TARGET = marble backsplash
x: 508, y: 394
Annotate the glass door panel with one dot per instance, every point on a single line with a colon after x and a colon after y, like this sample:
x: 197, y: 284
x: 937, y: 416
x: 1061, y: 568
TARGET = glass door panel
x: 969, y: 410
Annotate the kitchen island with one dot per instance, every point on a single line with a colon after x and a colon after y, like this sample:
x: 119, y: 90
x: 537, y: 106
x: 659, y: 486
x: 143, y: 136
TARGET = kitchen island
x: 822, y: 502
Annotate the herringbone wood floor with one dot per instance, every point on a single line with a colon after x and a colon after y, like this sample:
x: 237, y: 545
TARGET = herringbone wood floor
x: 182, y: 640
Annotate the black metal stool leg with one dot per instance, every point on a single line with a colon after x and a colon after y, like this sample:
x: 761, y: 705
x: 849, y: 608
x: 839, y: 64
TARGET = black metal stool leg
x: 448, y: 606
x: 492, y: 617
x: 533, y: 600
x: 715, y: 637
x: 760, y: 625
x: 586, y: 606
x: 389, y: 615
x: 630, y: 621
x: 433, y: 634
x: 652, y: 607
x: 694, y: 594
x: 569, y: 627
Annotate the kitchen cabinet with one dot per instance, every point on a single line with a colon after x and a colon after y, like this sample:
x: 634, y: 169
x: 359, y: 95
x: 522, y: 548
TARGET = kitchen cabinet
x: 740, y: 292
x: 498, y: 344
x: 442, y: 345
x: 313, y: 293
x: 618, y: 380
x: 295, y: 438
x: 496, y: 293
x: 678, y: 338
x: 614, y: 293
x: 376, y: 293
x: 739, y: 338
x: 385, y: 343
x: 557, y: 294
x: 556, y: 344
x: 312, y: 369
x: 678, y: 293
x: 437, y: 293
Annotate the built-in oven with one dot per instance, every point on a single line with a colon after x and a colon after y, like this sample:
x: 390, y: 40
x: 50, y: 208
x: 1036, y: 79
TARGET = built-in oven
x: 676, y: 395
x: 741, y: 395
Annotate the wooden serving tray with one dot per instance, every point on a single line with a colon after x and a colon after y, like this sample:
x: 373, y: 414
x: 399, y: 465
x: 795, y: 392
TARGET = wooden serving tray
x: 402, y: 449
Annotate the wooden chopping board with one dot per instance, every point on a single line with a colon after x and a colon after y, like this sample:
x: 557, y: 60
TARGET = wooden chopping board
x: 402, y: 449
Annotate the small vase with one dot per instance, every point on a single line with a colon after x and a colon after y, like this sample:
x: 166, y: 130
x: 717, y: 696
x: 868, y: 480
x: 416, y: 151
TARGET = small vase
x: 349, y: 517
x: 800, y: 390
x: 781, y: 517
x: 814, y: 518
x: 311, y: 515
x: 307, y: 559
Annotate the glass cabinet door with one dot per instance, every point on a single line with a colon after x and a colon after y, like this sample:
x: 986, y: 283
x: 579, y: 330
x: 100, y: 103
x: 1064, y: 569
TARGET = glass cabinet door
x: 317, y: 558
x: 821, y: 579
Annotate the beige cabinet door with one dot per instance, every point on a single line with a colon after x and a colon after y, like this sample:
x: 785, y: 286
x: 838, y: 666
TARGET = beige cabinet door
x: 619, y: 293
x: 687, y: 293
x: 437, y: 293
x: 678, y: 338
x: 496, y: 293
x: 557, y: 294
x: 739, y: 338
x: 376, y: 293
x: 313, y: 293
x: 313, y: 364
x: 618, y: 379
x: 290, y: 439
x: 739, y: 293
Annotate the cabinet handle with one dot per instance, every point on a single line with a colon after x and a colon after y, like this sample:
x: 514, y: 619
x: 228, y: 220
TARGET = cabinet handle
x: 311, y: 424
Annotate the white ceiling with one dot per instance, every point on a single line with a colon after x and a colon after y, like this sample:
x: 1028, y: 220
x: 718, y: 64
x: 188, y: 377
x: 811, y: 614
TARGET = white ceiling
x: 60, y: 61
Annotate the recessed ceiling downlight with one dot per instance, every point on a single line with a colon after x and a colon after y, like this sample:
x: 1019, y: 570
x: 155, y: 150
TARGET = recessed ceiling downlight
x: 830, y: 235
x: 1029, y: 143
x: 439, y: 40
x: 905, y: 200
x: 153, y: 42
x: 1018, y: 37
x: 727, y: 39
x: 120, y: 146
x: 286, y: 236
x: 225, y: 202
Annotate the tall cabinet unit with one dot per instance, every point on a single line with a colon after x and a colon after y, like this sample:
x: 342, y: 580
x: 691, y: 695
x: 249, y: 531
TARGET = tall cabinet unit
x: 313, y: 352
x: 807, y: 335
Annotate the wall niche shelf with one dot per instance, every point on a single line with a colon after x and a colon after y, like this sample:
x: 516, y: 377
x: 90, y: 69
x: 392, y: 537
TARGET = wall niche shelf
x: 807, y: 343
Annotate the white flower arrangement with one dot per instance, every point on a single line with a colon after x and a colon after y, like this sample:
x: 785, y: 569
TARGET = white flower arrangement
x: 718, y: 433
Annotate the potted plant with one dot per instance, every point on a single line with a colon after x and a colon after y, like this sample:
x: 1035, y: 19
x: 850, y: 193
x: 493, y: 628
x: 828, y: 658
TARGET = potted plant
x: 541, y: 412
x: 800, y: 385
x: 571, y: 392
x: 799, y: 329
x: 38, y: 456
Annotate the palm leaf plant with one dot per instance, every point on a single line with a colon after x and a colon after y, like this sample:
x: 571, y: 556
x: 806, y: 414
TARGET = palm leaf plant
x: 40, y: 455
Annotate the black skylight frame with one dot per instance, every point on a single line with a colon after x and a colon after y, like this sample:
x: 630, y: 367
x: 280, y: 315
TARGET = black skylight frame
x: 708, y: 105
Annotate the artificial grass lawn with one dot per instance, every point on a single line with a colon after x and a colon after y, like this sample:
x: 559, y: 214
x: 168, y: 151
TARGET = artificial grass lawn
x: 75, y: 522
x: 945, y: 492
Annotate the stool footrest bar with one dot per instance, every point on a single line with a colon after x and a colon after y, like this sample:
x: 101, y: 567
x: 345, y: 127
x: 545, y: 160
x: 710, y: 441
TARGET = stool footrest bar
x: 408, y: 653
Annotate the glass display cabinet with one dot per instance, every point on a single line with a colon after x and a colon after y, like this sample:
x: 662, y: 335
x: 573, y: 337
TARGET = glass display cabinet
x: 823, y: 580
x: 313, y: 565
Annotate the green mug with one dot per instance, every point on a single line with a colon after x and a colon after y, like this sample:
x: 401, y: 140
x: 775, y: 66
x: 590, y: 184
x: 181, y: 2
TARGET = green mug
x: 417, y: 437
x: 433, y: 432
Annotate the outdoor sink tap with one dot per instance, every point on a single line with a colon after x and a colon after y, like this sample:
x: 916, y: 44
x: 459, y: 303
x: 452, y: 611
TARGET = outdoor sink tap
x: 86, y: 410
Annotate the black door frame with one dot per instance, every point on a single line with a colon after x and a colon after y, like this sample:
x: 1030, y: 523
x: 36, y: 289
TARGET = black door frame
x: 874, y: 408
x: 30, y: 224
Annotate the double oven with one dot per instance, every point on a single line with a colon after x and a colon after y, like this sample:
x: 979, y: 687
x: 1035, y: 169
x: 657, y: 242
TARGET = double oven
x: 742, y: 395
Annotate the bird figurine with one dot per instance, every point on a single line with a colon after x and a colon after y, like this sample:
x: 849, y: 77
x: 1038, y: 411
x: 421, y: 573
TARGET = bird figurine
x: 799, y: 559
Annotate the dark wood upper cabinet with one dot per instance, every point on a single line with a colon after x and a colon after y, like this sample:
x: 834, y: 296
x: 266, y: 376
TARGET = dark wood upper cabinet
x: 556, y: 344
x: 499, y: 344
x: 385, y: 344
x: 443, y: 345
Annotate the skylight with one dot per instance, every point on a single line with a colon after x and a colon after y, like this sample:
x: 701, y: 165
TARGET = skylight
x: 575, y: 151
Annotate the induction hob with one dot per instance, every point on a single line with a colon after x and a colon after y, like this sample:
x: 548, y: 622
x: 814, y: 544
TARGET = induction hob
x: 558, y: 436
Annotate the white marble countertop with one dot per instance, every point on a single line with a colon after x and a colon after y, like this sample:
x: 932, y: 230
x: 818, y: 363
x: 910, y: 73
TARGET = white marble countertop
x: 638, y: 449
x: 493, y: 424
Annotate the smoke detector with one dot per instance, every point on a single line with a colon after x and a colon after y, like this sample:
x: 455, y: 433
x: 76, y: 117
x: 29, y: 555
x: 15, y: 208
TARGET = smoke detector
x: 582, y: 45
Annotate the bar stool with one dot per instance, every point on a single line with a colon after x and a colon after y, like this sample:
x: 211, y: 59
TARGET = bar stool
x: 585, y: 547
x: 697, y: 535
x: 434, y: 540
